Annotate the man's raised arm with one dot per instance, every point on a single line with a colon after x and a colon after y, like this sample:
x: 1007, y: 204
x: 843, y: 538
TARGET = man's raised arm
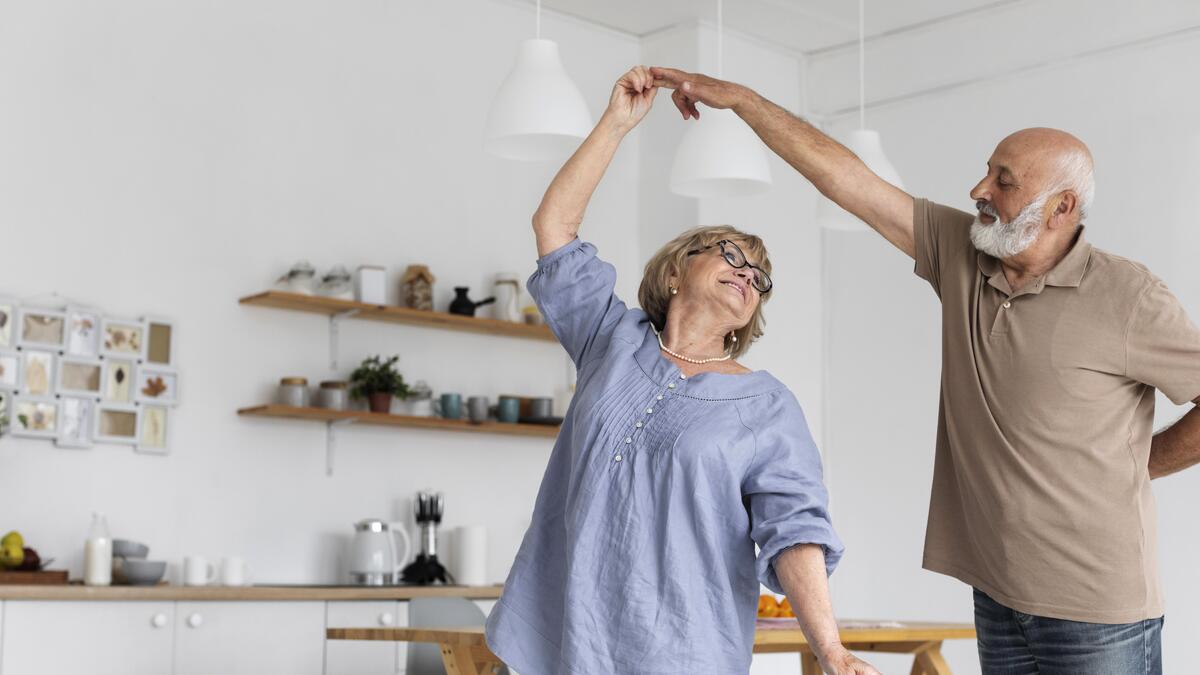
x: 838, y: 173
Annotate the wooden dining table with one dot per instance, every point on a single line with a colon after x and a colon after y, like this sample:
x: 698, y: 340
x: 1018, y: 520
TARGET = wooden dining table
x: 464, y: 651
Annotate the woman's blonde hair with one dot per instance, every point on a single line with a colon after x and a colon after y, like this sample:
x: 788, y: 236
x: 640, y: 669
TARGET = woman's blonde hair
x: 672, y: 260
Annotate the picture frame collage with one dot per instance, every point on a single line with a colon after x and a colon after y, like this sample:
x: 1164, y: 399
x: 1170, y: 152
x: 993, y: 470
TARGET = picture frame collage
x: 79, y: 377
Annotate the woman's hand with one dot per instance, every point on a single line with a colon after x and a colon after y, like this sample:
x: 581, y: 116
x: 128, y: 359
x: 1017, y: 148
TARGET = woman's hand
x: 631, y: 98
x: 839, y: 661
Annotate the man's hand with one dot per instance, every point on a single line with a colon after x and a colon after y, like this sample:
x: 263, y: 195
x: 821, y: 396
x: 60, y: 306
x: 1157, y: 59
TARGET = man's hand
x: 842, y: 662
x: 692, y: 88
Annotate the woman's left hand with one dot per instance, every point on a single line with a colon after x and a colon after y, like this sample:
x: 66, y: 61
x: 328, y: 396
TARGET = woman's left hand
x: 631, y: 98
x: 842, y: 662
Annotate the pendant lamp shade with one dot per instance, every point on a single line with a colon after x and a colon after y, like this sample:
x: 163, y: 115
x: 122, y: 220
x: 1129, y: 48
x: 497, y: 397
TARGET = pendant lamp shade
x: 538, y: 114
x: 719, y: 157
x: 867, y: 145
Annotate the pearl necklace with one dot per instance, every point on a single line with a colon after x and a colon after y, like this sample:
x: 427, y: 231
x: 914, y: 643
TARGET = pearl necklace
x: 681, y: 357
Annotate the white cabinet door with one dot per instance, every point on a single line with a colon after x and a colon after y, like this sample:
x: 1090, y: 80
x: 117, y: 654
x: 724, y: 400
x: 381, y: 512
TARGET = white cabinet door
x: 361, y: 657
x: 98, y: 638
x: 249, y: 638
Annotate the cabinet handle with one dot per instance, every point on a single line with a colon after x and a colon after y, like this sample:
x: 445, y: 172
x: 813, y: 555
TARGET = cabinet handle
x: 195, y: 620
x: 159, y: 620
x: 386, y: 619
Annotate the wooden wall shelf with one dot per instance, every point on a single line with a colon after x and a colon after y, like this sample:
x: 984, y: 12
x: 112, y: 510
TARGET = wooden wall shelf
x: 333, y: 307
x: 384, y: 419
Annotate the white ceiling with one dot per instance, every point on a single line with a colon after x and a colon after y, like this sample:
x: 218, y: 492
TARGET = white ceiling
x: 801, y: 25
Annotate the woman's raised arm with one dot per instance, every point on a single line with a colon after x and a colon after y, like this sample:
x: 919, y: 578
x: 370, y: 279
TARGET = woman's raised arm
x: 556, y: 222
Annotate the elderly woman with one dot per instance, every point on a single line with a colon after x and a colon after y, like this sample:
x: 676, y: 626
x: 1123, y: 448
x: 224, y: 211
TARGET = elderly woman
x: 673, y: 462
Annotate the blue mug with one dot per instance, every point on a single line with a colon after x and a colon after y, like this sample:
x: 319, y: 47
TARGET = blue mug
x: 451, y: 406
x: 509, y: 409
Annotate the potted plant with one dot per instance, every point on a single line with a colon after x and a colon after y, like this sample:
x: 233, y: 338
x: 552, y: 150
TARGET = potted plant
x: 377, y: 380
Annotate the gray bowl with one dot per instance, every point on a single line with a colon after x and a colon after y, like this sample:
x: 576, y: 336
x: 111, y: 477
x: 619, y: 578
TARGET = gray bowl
x: 143, y: 572
x: 123, y: 548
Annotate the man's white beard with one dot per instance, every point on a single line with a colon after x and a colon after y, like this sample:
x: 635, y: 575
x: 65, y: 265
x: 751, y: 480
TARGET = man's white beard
x: 1005, y: 240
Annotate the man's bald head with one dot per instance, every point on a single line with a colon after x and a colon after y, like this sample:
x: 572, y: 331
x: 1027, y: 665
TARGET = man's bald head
x: 1050, y: 161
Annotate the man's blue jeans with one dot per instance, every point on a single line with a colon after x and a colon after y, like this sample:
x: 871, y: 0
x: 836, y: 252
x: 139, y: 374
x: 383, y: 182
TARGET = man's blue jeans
x: 1015, y: 643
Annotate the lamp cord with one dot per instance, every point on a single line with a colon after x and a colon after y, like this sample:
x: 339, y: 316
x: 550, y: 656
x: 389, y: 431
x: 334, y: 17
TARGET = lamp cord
x: 862, y: 63
x: 720, y: 39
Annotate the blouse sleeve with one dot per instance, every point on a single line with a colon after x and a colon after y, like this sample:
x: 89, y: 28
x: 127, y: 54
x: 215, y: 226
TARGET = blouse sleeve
x: 787, y: 499
x: 574, y: 289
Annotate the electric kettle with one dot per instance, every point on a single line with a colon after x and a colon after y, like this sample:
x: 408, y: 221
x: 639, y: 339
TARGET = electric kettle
x: 373, y: 559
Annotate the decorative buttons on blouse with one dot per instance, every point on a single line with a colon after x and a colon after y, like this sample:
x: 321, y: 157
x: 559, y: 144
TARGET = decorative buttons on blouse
x: 638, y: 425
x: 659, y: 397
x: 628, y: 439
x: 1007, y: 304
x: 682, y: 376
x: 671, y: 385
x: 617, y: 458
x: 649, y: 410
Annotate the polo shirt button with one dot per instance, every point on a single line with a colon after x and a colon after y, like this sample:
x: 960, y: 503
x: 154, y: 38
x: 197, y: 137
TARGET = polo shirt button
x: 1007, y: 304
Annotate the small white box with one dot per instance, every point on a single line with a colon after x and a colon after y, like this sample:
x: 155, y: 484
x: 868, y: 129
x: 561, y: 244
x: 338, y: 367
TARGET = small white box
x: 370, y: 285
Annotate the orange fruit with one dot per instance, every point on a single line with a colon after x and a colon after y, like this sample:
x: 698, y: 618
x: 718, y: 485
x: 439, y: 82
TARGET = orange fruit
x: 785, y: 609
x: 768, y: 606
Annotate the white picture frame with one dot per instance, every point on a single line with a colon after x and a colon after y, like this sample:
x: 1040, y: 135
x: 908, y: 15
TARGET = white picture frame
x: 160, y: 342
x: 34, y: 417
x: 6, y: 397
x: 83, y: 332
x: 118, y: 424
x: 154, y: 430
x: 79, y: 376
x: 156, y: 386
x: 123, y: 338
x: 8, y: 322
x: 38, y: 372
x: 39, y: 328
x: 120, y: 381
x: 12, y: 364
x: 77, y: 422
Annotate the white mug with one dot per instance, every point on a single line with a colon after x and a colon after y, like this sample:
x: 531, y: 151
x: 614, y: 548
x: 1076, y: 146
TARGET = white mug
x: 234, y: 571
x: 197, y: 571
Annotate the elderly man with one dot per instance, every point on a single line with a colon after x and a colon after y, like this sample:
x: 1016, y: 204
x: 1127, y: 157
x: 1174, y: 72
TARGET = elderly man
x: 1051, y: 352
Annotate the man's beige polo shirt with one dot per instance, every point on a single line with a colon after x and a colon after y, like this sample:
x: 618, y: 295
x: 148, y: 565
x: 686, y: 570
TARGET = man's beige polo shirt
x: 1041, y: 494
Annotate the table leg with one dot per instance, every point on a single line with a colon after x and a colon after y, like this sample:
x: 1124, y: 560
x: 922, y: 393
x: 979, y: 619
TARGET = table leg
x: 458, y: 661
x: 931, y: 660
x: 809, y: 665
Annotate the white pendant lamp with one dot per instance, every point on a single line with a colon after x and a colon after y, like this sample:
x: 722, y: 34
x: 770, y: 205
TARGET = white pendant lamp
x: 538, y: 113
x: 866, y: 144
x: 719, y: 156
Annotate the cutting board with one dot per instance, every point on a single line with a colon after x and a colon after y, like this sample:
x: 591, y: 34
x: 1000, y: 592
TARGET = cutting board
x: 34, y: 578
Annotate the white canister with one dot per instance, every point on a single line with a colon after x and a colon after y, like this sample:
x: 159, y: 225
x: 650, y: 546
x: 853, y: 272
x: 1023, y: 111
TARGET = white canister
x: 470, y: 555
x: 370, y: 285
x: 508, y: 298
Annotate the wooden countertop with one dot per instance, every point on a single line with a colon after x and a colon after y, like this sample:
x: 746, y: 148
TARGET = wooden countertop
x: 245, y: 593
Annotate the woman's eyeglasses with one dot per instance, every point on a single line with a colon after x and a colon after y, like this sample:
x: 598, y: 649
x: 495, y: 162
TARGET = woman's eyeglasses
x: 759, y: 279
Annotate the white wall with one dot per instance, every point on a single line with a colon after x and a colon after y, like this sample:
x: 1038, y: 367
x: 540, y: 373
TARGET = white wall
x: 1130, y: 107
x: 169, y: 158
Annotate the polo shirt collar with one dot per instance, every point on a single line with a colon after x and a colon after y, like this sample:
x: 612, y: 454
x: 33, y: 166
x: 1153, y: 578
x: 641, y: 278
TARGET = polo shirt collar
x: 1068, y: 273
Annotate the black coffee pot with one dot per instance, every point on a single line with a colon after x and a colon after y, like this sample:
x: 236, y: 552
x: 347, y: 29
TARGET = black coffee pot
x: 464, y: 305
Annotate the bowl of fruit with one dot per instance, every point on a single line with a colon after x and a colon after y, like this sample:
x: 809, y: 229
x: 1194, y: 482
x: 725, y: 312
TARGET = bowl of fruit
x: 20, y: 564
x: 774, y: 611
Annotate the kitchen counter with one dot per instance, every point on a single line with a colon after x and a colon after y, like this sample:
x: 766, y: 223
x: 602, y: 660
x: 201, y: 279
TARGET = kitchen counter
x: 167, y: 592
